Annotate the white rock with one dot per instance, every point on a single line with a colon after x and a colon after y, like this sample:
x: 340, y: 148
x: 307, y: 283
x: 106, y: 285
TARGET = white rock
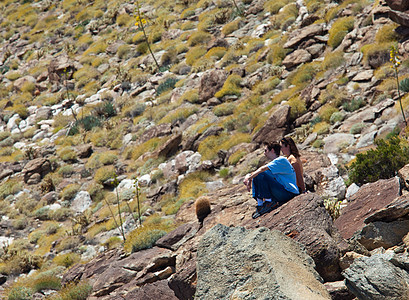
x: 81, y: 202
x: 145, y: 180
x: 352, y: 189
x: 214, y: 185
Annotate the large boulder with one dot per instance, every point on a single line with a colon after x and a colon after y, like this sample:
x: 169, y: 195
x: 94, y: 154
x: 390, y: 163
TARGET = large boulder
x: 210, y: 83
x: 36, y: 167
x: 306, y: 220
x: 377, y: 277
x: 399, y: 5
x: 370, y: 198
x: 235, y: 263
x: 276, y: 126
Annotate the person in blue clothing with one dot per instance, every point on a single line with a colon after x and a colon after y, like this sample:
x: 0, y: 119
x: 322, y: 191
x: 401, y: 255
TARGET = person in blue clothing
x: 274, y: 183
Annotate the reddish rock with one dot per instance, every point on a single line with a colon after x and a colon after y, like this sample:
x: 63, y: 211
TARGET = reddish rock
x: 211, y: 82
x: 154, y: 291
x: 156, y: 131
x: 296, y: 58
x: 400, y: 5
x: 183, y: 282
x: 170, y: 147
x: 370, y: 198
x: 275, y: 127
x: 401, y: 18
x: 174, y: 238
x: 41, y: 166
x: 305, y: 219
x: 398, y: 208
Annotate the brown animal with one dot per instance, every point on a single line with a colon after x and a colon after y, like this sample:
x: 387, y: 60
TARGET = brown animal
x: 202, y: 206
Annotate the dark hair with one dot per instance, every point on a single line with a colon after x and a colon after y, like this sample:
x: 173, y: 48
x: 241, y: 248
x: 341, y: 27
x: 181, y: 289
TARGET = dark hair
x: 293, y: 148
x: 274, y: 146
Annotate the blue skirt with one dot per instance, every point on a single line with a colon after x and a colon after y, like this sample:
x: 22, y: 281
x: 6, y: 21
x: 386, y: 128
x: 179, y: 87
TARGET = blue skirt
x: 265, y: 186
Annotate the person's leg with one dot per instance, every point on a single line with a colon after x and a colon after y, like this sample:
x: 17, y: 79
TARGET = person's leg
x: 265, y: 186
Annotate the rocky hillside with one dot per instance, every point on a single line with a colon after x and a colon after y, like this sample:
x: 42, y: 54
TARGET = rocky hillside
x: 116, y: 116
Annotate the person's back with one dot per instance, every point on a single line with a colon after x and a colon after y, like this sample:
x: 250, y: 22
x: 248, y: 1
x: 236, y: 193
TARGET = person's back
x: 290, y: 150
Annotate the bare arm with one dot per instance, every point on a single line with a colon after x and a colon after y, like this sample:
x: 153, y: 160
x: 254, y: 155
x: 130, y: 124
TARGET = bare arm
x: 249, y: 177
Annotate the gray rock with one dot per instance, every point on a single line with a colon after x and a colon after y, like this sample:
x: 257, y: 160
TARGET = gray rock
x: 375, y: 278
x: 296, y: 58
x: 338, y: 141
x: 234, y: 263
x: 81, y: 202
x: 382, y: 234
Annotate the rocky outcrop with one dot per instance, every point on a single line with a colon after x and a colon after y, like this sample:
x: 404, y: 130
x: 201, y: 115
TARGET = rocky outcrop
x: 237, y: 263
x: 275, y: 127
x: 369, y: 198
x: 210, y: 83
x: 305, y: 219
x: 36, y: 169
x: 380, y: 276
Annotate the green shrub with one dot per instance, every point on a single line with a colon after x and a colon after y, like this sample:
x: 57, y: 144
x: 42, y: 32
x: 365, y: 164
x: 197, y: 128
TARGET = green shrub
x: 337, y: 117
x: 180, y: 114
x: 326, y: 112
x: 303, y: 75
x: 79, y: 291
x: 231, y: 27
x: 236, y: 156
x: 104, y: 173
x: 404, y: 86
x: 333, y: 60
x: 88, y: 123
x: 216, y: 52
x: 318, y: 144
x: 376, y: 54
x: 19, y: 293
x: 224, y: 173
x: 10, y: 187
x: 387, y: 34
x: 224, y: 109
x: 167, y: 85
x: 191, y: 96
x: 70, y: 191
x: 198, y: 38
x: 66, y: 260
x: 123, y: 51
x: 67, y: 154
x: 357, y: 128
x: 383, y: 162
x: 339, y: 30
x: 230, y: 87
x: 355, y: 104
x: 194, y: 54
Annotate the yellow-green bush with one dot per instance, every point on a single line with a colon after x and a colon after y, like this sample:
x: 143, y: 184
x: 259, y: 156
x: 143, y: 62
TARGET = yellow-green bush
x: 376, y: 54
x: 298, y: 107
x: 333, y: 60
x: 273, y: 6
x: 194, y: 54
x: 217, y: 52
x: 13, y: 75
x: 67, y: 154
x: 285, y: 17
x: 303, y: 75
x: 77, y: 291
x: 124, y: 20
x: 123, y: 51
x: 236, y: 156
x: 21, y: 110
x: 231, y: 27
x: 96, y: 47
x: 202, y: 65
x: 387, y: 34
x: 339, y: 30
x: 191, y: 96
x: 193, y: 185
x: 70, y: 191
x: 104, y: 173
x: 10, y: 187
x: 224, y: 109
x: 321, y: 128
x: 66, y: 260
x: 153, y: 228
x: 230, y: 87
x: 326, y: 112
x: 266, y: 86
x: 180, y: 114
x: 198, y: 38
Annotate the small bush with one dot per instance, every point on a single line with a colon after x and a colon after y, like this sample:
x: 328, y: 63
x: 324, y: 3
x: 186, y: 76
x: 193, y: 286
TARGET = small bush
x: 198, y: 38
x: 123, y: 51
x: 104, y: 173
x: 19, y: 293
x: 321, y: 128
x: 231, y: 27
x: 333, y: 60
x: 67, y: 154
x: 224, y: 109
x: 79, y: 291
x: 216, y: 52
x: 67, y: 260
x: 376, y: 55
x: 303, y: 75
x: 357, y: 128
x: 383, y: 162
x: 167, y: 85
x: 387, y: 34
x: 230, y: 87
x: 10, y: 187
x: 194, y: 54
x: 326, y: 112
x: 191, y: 96
x: 145, y: 237
x: 180, y: 114
x: 70, y: 191
x: 339, y: 30
x: 354, y: 104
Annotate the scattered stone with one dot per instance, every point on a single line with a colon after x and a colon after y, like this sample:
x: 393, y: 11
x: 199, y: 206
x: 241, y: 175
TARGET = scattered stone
x: 276, y: 126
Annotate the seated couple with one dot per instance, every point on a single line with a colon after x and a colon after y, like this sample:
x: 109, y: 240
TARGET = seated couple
x: 278, y: 181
